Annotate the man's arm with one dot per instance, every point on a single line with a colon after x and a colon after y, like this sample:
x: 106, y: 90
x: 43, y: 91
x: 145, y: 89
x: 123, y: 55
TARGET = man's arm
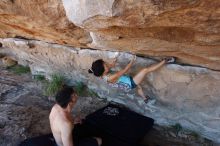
x: 66, y: 134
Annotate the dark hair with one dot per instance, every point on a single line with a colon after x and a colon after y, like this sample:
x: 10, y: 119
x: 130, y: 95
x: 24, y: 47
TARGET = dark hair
x: 64, y: 96
x: 97, y: 68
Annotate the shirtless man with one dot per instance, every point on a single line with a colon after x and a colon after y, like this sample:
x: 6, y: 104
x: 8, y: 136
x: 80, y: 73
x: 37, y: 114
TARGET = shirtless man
x: 61, y: 120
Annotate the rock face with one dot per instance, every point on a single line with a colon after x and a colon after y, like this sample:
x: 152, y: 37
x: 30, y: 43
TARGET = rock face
x: 188, y: 29
x: 181, y: 94
x: 41, y: 20
x: 24, y: 111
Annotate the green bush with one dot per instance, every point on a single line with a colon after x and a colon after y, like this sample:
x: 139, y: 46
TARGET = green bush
x: 177, y: 127
x: 54, y: 85
x: 80, y: 88
x: 93, y: 93
x: 39, y: 77
x: 194, y: 134
x: 19, y: 69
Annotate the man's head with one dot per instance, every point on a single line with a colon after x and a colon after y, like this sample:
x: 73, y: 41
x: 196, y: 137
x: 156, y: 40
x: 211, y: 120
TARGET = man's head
x: 66, y: 96
x: 98, y: 68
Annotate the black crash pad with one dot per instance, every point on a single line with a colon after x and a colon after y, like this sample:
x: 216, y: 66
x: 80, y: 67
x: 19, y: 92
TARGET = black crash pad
x: 117, y: 126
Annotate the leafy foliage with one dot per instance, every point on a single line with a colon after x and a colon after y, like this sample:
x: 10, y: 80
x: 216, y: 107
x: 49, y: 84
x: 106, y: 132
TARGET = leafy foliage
x: 39, y: 77
x: 19, y: 69
x: 54, y: 85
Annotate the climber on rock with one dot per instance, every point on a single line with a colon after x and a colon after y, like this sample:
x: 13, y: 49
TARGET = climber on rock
x: 61, y: 121
x: 120, y: 80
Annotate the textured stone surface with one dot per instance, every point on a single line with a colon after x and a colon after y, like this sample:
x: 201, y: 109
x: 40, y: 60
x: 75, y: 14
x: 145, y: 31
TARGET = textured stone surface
x: 24, y: 111
x: 184, y: 94
x: 27, y: 115
x: 187, y: 29
x: 41, y: 20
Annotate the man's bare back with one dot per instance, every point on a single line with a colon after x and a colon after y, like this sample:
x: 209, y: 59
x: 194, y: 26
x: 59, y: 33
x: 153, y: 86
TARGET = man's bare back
x: 61, y: 123
x: 61, y: 119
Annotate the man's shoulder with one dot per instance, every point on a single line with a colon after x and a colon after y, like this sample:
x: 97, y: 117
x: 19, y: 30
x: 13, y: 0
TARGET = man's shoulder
x: 65, y: 121
x: 66, y: 127
x: 53, y: 113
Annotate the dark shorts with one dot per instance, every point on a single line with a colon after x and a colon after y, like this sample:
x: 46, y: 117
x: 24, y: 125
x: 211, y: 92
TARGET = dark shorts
x: 133, y: 85
x: 83, y: 135
x: 87, y: 142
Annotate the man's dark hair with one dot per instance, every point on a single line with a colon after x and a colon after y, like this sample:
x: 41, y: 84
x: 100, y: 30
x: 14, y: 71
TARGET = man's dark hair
x: 64, y: 96
x: 97, y: 68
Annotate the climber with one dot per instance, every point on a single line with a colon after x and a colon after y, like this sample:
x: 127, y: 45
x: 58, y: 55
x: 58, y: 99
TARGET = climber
x: 120, y: 80
x: 61, y: 121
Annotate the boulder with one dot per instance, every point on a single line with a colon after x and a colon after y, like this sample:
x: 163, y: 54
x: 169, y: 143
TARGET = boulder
x: 182, y: 94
